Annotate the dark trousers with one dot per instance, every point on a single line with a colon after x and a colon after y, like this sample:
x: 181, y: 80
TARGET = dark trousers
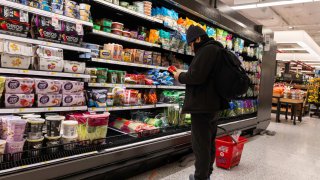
x: 204, y: 131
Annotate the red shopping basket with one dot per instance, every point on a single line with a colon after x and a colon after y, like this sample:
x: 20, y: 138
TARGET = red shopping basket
x: 228, y: 152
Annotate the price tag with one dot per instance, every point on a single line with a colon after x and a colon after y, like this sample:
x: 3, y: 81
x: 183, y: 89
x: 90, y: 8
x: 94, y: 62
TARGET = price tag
x: 79, y: 29
x: 25, y: 71
x: 50, y: 109
x: 53, y: 73
x: 21, y: 109
x: 93, y: 109
x: 73, y: 108
x: 55, y: 23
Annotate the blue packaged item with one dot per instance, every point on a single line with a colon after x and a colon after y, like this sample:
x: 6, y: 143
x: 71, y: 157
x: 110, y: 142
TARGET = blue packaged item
x: 57, y: 1
x: 24, y: 2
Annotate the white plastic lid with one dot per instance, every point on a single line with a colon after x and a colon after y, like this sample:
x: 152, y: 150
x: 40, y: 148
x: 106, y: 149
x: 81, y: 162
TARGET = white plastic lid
x: 52, y: 138
x: 31, y: 116
x: 70, y: 123
x: 35, y: 120
x: 69, y: 137
x: 55, y: 118
x: 35, y: 140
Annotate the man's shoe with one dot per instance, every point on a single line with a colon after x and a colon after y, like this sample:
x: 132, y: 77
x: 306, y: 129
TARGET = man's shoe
x: 191, y: 177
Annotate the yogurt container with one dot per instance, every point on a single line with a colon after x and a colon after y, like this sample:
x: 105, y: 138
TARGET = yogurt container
x: 15, y: 129
x: 52, y: 143
x: 34, y: 128
x: 34, y: 146
x: 70, y: 128
x: 69, y: 142
x: 27, y: 116
x: 54, y: 125
x: 15, y: 147
x: 2, y: 148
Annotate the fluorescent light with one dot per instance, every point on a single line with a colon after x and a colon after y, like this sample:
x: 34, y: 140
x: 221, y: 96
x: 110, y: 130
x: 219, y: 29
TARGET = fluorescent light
x: 248, y: 6
x: 279, y: 3
x: 291, y: 49
x: 270, y: 3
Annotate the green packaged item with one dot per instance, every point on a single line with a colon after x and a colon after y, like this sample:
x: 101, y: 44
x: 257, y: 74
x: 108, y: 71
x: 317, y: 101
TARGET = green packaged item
x: 102, y: 71
x: 154, y: 122
x: 124, y: 4
x: 106, y: 29
x: 121, y: 75
x: 97, y: 27
x: 112, y: 76
x: 101, y: 79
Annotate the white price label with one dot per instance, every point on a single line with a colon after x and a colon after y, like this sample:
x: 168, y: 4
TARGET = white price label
x: 55, y: 23
x: 79, y: 29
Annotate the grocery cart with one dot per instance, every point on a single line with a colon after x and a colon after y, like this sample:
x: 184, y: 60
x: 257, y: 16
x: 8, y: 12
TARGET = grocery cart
x: 229, y: 151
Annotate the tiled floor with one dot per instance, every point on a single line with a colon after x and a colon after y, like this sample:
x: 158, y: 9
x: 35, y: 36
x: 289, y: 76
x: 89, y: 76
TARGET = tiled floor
x: 292, y: 154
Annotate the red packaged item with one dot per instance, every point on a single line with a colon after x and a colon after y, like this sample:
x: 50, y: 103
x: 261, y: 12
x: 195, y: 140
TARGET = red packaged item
x: 132, y: 127
x: 14, y: 20
x: 172, y: 69
x: 131, y: 97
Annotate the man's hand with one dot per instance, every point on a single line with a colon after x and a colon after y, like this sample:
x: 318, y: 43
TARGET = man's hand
x: 176, y: 74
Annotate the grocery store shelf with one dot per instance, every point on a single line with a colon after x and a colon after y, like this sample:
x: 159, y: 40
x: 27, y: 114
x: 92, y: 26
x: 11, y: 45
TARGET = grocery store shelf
x: 43, y: 43
x: 166, y: 105
x: 43, y: 12
x: 120, y: 85
x: 45, y: 109
x: 128, y: 11
x: 42, y: 73
x: 171, y: 87
x: 127, y: 64
x: 120, y: 108
x: 123, y: 38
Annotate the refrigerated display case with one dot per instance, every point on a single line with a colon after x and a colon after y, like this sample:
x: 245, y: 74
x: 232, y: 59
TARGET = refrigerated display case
x: 122, y: 150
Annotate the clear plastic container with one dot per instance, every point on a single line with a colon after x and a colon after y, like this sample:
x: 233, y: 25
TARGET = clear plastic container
x: 15, y: 147
x: 34, y: 128
x: 69, y: 142
x: 54, y: 125
x: 70, y: 128
x: 34, y: 146
x: 52, y: 143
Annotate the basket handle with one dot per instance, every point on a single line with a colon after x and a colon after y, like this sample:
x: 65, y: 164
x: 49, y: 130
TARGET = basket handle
x: 228, y: 133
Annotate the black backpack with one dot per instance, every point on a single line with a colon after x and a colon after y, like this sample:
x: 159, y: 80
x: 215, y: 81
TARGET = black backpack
x: 231, y: 79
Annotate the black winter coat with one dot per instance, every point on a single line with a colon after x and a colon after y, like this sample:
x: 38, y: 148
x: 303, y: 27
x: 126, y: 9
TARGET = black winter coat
x: 201, y: 96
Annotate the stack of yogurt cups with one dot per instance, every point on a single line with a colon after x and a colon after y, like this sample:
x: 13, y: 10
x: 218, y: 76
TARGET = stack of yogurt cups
x: 34, y: 133
x: 53, y: 131
x: 69, y: 134
x: 13, y: 128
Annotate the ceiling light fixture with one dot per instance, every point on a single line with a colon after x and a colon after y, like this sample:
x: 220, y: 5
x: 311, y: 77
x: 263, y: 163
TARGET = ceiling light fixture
x: 270, y: 3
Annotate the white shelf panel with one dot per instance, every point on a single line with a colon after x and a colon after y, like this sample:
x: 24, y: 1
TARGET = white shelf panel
x: 166, y: 105
x: 120, y: 85
x: 43, y: 43
x: 128, y: 11
x: 171, y: 87
x: 45, y: 109
x: 123, y: 38
x: 43, y: 12
x: 43, y: 73
x: 127, y: 64
x: 121, y: 108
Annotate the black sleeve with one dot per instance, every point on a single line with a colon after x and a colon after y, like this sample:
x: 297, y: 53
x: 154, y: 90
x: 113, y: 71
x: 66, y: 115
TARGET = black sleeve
x: 201, y: 66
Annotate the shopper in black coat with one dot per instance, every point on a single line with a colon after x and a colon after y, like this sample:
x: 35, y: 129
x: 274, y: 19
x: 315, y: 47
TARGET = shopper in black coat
x: 201, y: 99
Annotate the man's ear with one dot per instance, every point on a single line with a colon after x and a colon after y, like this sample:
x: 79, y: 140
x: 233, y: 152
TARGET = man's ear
x: 198, y: 39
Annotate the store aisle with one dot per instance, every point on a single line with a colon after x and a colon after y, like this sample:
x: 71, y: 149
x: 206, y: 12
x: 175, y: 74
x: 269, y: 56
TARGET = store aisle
x: 293, y: 154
